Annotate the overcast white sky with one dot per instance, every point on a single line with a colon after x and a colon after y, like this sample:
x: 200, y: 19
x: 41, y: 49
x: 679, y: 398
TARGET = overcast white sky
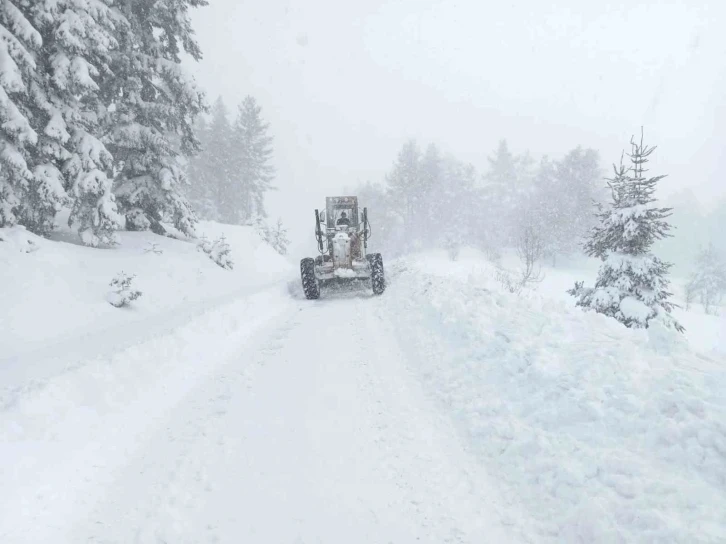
x: 344, y: 84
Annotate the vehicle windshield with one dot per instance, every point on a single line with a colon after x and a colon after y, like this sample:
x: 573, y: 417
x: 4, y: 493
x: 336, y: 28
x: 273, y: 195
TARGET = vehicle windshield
x: 343, y: 217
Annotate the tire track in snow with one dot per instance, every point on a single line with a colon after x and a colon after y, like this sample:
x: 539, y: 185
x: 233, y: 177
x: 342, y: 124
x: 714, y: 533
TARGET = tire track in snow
x: 314, y: 431
x: 173, y: 466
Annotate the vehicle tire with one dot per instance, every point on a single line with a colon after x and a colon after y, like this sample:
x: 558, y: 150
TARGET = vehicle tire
x: 309, y: 282
x: 378, y: 278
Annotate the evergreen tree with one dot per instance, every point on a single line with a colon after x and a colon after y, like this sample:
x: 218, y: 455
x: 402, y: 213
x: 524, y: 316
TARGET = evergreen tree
x: 543, y: 210
x: 506, y: 191
x: 18, y: 40
x: 77, y: 43
x: 278, y: 238
x: 219, y: 164
x: 632, y: 284
x: 563, y: 194
x: 456, y: 206
x: 380, y: 214
x: 152, y: 107
x: 253, y: 172
x: 427, y: 211
x: 202, y: 179
x: 576, y: 178
x: 502, y: 166
x: 404, y: 183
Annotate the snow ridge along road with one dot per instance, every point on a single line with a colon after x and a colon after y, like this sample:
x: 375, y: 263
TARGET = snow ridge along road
x: 267, y: 420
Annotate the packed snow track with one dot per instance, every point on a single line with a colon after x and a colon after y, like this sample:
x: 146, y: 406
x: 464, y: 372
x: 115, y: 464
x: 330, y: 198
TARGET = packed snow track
x: 269, y: 419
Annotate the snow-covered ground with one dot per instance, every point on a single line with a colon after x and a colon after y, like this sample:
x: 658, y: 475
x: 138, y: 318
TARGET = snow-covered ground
x: 223, y: 407
x: 600, y: 433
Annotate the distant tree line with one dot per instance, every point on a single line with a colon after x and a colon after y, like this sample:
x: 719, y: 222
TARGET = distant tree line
x: 434, y: 200
x: 233, y: 172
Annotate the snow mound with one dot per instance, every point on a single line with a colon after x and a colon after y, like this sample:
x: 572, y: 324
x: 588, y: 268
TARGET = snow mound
x: 602, y: 433
x: 17, y: 239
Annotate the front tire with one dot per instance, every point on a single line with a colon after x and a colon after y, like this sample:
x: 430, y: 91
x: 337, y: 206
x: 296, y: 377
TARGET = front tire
x: 309, y: 282
x: 378, y: 278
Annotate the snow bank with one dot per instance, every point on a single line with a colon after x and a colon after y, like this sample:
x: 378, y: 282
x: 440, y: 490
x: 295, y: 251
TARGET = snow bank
x: 601, y: 433
x: 55, y: 291
x: 56, y: 313
x: 705, y: 333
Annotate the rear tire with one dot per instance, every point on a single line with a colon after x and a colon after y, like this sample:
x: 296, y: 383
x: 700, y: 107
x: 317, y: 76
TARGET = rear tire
x: 378, y: 278
x: 309, y: 282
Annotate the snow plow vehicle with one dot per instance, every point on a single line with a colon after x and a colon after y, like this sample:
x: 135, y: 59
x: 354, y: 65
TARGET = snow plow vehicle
x: 342, y: 234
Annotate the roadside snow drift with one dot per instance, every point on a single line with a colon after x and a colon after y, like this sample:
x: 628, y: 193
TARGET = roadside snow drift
x: 55, y: 292
x: 222, y: 406
x: 599, y: 432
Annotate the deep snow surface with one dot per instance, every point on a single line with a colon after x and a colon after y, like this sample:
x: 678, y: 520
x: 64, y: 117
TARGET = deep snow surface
x: 600, y: 433
x: 266, y: 418
x: 223, y: 407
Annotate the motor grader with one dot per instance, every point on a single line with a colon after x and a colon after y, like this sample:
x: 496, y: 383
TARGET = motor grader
x: 342, y: 233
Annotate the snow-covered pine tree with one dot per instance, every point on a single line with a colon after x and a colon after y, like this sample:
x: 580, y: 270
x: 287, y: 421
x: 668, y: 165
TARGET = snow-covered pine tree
x: 252, y: 156
x: 427, y: 211
x: 218, y: 162
x: 632, y: 284
x: 543, y: 209
x: 18, y: 39
x: 455, y: 204
x: 563, y: 194
x: 507, y: 185
x: 152, y: 105
x: 404, y: 182
x: 373, y: 197
x: 576, y: 177
x: 202, y: 187
x: 77, y: 43
x: 278, y: 238
x: 709, y: 279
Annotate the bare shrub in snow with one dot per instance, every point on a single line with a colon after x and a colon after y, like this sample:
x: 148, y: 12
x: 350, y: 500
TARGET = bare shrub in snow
x: 690, y: 291
x: 530, y: 249
x: 453, y: 246
x: 708, y: 282
x: 19, y: 238
x: 122, y: 294
x: 153, y: 248
x: 217, y: 250
x: 508, y: 283
x: 492, y: 253
x: 632, y: 284
x: 275, y: 236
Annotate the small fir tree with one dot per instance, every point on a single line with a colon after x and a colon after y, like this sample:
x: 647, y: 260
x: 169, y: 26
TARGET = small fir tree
x: 632, y: 284
x: 252, y: 169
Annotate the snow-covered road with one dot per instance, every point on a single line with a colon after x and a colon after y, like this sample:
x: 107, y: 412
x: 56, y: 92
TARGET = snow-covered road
x: 447, y: 410
x: 303, y: 423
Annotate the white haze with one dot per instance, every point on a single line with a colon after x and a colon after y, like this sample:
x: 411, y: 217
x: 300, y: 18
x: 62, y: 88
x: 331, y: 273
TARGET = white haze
x: 345, y: 84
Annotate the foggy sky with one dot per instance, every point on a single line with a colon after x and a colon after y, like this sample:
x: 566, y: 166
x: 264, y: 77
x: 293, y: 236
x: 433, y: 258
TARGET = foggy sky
x: 344, y: 84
